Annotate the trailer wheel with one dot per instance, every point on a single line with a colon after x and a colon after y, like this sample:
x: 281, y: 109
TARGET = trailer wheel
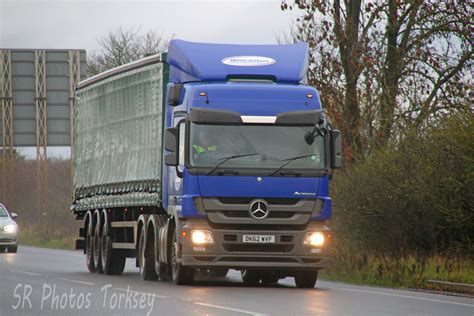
x: 90, y: 246
x: 250, y: 277
x: 113, y: 262
x: 306, y: 279
x: 97, y: 247
x: 181, y: 275
x: 146, y: 259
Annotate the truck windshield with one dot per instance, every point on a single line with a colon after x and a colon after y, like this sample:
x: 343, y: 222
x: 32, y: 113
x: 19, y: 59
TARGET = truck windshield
x: 275, y: 145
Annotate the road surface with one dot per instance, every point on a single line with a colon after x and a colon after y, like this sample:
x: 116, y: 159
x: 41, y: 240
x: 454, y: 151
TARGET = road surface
x: 55, y: 282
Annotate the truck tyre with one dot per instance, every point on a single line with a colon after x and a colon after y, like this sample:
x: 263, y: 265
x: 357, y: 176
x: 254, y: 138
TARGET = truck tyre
x: 90, y: 247
x: 306, y: 279
x: 12, y: 249
x: 180, y: 274
x: 146, y: 259
x: 113, y: 262
x: 2, y: 249
x: 97, y: 247
x: 250, y: 277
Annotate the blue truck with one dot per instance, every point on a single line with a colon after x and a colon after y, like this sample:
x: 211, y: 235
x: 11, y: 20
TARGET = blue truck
x: 206, y: 158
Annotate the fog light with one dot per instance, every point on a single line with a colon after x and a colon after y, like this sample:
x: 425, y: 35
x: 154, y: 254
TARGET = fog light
x: 9, y: 229
x: 202, y: 237
x: 314, y: 239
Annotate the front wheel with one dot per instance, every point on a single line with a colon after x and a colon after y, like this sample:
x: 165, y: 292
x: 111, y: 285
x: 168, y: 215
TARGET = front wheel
x: 12, y: 249
x: 181, y: 275
x: 306, y: 279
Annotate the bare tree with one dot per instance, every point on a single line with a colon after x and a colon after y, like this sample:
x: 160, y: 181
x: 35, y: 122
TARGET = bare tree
x: 338, y: 35
x: 122, y: 46
x: 427, y: 47
x: 385, y: 64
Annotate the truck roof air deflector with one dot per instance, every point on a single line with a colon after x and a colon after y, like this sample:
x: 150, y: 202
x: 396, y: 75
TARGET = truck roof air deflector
x: 216, y: 62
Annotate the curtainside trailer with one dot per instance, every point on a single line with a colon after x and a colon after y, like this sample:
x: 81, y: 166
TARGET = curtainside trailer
x: 208, y: 158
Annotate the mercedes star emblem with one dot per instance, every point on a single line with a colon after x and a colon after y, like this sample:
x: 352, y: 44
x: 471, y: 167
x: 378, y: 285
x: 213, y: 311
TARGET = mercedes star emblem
x: 258, y: 209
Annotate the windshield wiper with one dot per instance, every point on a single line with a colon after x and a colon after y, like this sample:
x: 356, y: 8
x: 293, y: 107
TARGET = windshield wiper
x: 287, y: 161
x: 225, y: 159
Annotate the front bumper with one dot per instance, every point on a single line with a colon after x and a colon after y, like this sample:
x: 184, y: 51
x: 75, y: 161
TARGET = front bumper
x: 229, y: 250
x: 8, y: 239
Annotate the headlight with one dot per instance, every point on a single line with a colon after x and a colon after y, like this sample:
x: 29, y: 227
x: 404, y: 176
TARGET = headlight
x: 10, y: 228
x: 202, y: 237
x: 314, y: 239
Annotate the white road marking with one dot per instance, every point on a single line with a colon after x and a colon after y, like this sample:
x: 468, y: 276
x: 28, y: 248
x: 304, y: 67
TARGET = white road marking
x: 76, y: 281
x: 229, y: 309
x: 26, y: 272
x: 143, y: 293
x: 404, y: 296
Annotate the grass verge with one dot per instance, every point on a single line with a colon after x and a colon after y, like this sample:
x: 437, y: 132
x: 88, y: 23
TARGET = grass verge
x: 32, y: 236
x: 407, y: 272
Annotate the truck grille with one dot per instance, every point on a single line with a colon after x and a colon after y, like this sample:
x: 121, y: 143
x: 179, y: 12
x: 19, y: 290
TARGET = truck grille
x: 247, y: 200
x: 245, y: 214
x: 235, y: 210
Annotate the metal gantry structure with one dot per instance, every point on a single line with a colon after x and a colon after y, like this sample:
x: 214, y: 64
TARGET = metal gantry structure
x: 74, y: 78
x: 41, y: 133
x: 51, y: 76
x: 7, y: 126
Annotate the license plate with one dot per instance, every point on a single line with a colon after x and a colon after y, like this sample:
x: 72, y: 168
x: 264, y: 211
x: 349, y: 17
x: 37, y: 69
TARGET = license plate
x: 259, y: 239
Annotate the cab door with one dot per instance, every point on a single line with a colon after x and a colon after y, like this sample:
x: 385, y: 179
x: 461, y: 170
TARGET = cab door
x: 175, y: 180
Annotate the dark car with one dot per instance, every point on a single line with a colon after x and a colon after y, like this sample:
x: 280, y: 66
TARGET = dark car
x: 8, y: 230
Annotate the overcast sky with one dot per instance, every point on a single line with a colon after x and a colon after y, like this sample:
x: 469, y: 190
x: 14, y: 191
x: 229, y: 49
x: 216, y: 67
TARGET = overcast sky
x: 66, y: 24
x: 78, y: 23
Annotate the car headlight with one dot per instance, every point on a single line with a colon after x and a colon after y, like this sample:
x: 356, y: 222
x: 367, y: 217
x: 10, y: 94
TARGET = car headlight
x: 202, y: 237
x: 314, y: 239
x: 10, y: 228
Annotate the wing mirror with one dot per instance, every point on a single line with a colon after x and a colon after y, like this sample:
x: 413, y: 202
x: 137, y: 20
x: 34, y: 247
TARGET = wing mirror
x: 335, y: 148
x: 171, y: 145
x: 14, y: 215
x: 174, y: 94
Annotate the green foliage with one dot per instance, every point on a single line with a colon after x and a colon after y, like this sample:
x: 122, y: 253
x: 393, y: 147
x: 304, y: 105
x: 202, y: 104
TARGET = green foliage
x: 414, y: 196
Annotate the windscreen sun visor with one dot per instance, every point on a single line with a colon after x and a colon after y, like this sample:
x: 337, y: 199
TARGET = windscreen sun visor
x: 309, y: 118
x: 211, y: 116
